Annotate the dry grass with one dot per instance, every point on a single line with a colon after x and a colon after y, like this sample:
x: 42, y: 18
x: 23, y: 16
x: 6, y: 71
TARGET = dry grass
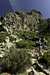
x: 5, y: 74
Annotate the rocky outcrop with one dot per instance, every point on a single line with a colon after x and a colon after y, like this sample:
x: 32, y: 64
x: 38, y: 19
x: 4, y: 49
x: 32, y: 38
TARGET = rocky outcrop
x: 22, y: 20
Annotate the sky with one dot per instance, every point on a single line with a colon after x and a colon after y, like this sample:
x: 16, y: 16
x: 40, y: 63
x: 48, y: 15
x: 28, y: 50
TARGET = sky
x: 4, y: 6
x: 40, y: 5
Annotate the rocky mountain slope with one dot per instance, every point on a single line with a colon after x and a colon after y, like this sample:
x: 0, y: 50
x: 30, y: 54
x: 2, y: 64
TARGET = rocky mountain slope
x: 24, y: 43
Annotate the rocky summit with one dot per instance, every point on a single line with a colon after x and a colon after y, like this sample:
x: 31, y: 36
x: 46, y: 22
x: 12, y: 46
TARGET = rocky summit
x: 24, y: 43
x: 22, y: 20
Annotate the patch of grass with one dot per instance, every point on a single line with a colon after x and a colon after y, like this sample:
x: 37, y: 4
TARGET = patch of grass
x: 25, y: 44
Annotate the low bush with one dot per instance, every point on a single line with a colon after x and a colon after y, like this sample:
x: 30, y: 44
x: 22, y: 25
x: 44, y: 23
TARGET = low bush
x: 15, y: 60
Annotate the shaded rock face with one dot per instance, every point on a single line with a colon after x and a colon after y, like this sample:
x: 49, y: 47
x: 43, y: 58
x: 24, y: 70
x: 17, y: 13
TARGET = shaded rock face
x: 4, y: 7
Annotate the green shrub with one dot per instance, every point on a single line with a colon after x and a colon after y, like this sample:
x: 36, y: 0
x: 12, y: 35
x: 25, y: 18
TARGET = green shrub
x: 46, y: 56
x: 27, y: 35
x: 16, y: 60
x: 25, y: 44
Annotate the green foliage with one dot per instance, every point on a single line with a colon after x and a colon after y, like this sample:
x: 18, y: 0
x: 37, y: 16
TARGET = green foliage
x: 42, y: 28
x: 46, y: 56
x: 27, y: 35
x: 25, y: 44
x: 47, y: 36
x: 16, y: 59
x: 48, y: 21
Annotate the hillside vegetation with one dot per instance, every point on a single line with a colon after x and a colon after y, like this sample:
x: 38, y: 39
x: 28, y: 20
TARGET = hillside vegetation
x: 24, y: 44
